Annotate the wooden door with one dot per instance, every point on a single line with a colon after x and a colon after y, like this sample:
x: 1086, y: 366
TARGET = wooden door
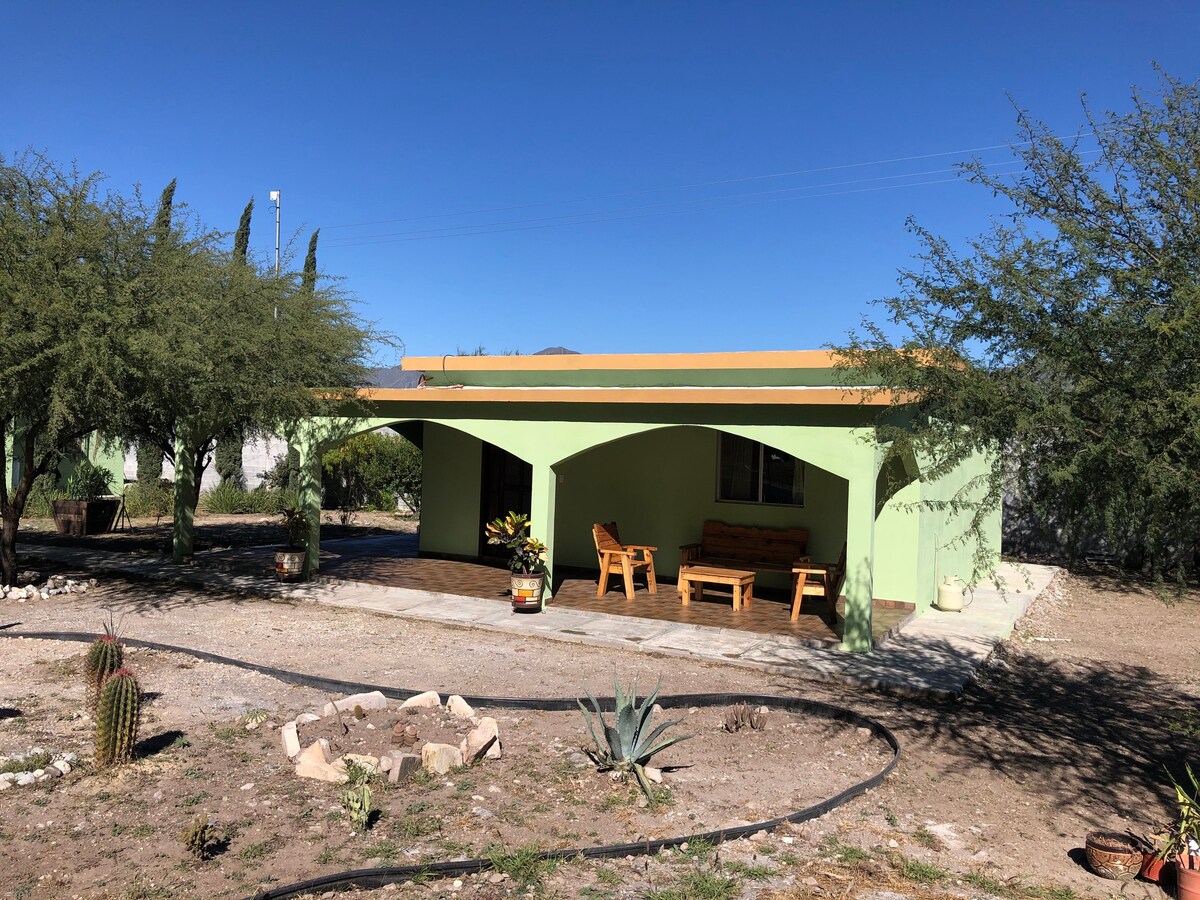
x: 506, y: 486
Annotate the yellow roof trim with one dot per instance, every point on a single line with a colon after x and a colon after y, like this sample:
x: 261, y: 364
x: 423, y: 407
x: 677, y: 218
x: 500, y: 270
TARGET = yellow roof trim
x: 759, y: 359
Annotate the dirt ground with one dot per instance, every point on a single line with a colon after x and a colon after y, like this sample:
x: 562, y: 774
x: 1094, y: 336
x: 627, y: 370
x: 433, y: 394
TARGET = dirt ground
x: 1068, y: 729
x: 152, y: 537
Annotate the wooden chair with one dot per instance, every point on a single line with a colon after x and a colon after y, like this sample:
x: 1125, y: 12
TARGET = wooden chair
x: 819, y: 580
x: 621, y: 559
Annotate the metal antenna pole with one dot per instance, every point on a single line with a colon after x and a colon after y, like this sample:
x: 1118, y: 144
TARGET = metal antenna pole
x: 275, y: 197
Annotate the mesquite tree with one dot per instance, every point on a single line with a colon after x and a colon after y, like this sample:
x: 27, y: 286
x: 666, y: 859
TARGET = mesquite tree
x: 71, y: 294
x: 1066, y: 340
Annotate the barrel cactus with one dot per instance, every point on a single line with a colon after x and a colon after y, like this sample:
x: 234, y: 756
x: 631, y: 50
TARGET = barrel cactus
x: 117, y: 718
x: 104, y: 657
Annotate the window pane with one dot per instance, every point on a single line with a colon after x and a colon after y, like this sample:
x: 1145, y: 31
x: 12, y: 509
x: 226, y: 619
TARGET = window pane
x: 783, y: 478
x: 739, y: 469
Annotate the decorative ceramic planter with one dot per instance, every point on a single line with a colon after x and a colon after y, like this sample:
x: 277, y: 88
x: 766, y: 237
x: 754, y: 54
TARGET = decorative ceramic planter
x: 289, y: 565
x: 1113, y: 855
x: 527, y: 591
x: 81, y: 517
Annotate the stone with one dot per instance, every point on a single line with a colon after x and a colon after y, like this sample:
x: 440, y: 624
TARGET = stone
x: 385, y: 762
x: 653, y: 774
x: 947, y: 837
x: 481, y: 740
x: 248, y: 786
x: 459, y: 708
x: 290, y: 739
x: 7, y: 777
x: 53, y: 771
x: 370, y: 763
x: 313, y: 762
x: 439, y: 759
x: 404, y: 767
x: 306, y: 718
x: 5, y: 785
x: 372, y: 700
x: 427, y: 700
x: 578, y: 760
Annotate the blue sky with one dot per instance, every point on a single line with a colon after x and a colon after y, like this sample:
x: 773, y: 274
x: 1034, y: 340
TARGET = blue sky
x: 619, y: 163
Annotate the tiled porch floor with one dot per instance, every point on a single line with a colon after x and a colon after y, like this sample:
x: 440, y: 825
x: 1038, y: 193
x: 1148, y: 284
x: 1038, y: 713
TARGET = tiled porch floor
x: 388, y: 562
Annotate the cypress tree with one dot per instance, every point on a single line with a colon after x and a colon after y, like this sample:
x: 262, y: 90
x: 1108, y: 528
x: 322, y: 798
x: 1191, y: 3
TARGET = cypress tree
x: 308, y: 278
x: 228, y: 455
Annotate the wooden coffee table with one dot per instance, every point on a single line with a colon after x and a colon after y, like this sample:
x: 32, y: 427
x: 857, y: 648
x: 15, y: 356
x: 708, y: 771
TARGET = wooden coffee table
x: 695, y: 577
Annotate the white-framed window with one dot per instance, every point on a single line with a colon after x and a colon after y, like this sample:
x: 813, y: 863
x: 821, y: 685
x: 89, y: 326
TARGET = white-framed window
x: 750, y: 472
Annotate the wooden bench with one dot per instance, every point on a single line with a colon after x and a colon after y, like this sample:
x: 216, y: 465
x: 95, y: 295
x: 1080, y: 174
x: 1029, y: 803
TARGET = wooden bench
x: 695, y: 577
x: 725, y: 546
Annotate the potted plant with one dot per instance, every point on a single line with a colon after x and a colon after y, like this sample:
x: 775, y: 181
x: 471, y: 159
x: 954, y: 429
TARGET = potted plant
x: 87, y: 509
x: 1184, y: 840
x: 289, y: 560
x: 528, y: 560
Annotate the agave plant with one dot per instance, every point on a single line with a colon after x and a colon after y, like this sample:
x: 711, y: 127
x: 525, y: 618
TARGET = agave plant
x: 630, y: 743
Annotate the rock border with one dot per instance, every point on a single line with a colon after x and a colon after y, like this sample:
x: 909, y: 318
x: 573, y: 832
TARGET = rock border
x: 60, y: 764
x: 316, y: 761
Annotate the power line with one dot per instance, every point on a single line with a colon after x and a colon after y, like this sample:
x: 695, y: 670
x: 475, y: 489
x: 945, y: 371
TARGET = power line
x: 354, y: 240
x: 425, y: 236
x: 700, y: 184
x: 672, y: 208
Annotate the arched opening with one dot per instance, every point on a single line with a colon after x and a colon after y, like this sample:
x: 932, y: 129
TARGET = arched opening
x: 660, y: 485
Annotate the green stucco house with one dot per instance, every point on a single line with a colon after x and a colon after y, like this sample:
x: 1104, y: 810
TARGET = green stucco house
x: 660, y: 443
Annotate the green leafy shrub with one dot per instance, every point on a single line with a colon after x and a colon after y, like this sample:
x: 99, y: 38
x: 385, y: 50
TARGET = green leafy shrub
x: 357, y: 798
x: 88, y: 482
x: 225, y: 499
x: 371, y: 471
x: 630, y: 743
x: 154, y: 499
x: 43, y: 492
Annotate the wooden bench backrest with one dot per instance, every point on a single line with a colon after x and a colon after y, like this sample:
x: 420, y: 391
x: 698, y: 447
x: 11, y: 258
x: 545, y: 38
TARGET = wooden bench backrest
x: 752, y: 543
x: 606, y: 536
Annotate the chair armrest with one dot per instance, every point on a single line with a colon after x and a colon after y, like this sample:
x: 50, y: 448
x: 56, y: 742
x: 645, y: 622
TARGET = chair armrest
x: 690, y: 546
x: 617, y: 553
x: 640, y: 547
x: 810, y: 570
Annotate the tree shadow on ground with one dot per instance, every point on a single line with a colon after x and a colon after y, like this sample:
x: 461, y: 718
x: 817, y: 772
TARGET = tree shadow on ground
x: 1079, y: 732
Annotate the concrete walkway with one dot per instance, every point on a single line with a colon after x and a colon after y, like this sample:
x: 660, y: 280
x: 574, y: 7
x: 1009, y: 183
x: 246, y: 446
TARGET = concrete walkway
x: 935, y: 654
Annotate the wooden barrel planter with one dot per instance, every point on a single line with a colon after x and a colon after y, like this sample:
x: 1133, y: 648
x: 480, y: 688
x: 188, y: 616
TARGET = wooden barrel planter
x: 83, y: 517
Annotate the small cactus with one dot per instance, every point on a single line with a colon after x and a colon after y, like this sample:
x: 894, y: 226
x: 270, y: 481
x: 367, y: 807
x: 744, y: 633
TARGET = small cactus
x: 743, y: 715
x: 117, y: 718
x: 201, y: 838
x: 105, y: 656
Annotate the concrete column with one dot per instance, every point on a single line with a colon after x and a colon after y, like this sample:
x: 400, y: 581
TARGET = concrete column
x: 185, y: 492
x: 860, y: 560
x: 310, y: 500
x: 541, y: 516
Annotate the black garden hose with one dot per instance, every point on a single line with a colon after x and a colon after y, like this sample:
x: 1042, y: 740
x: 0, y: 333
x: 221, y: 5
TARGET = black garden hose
x: 379, y: 877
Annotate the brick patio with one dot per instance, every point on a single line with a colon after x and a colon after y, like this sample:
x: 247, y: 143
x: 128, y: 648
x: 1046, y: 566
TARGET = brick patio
x: 393, y: 562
